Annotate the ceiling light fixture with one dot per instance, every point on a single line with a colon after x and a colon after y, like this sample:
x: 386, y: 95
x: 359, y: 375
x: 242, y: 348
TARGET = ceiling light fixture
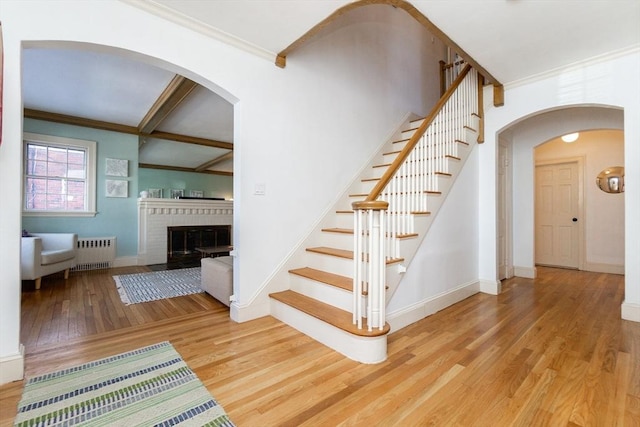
x: 569, y: 138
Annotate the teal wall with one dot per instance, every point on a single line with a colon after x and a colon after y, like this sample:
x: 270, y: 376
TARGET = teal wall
x: 211, y: 185
x: 118, y: 216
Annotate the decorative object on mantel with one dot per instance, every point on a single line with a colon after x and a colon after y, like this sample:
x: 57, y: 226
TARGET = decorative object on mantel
x: 155, y: 193
x: 196, y: 193
x: 144, y: 287
x: 117, y: 188
x: 144, y: 194
x: 176, y: 194
x: 117, y: 167
x: 151, y: 384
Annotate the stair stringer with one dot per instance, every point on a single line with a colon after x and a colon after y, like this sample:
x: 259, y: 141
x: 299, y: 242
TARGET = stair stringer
x: 422, y: 224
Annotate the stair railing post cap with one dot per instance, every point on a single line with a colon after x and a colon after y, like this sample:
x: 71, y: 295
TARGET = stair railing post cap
x: 376, y: 205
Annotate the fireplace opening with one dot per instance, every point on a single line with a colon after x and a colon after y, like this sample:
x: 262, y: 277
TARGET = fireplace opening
x: 187, y: 244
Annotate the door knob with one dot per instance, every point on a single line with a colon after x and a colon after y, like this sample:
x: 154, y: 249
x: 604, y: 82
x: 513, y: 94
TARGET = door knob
x: 575, y: 220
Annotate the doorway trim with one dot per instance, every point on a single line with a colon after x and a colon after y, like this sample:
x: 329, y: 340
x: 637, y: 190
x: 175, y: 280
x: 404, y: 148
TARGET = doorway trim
x: 581, y: 202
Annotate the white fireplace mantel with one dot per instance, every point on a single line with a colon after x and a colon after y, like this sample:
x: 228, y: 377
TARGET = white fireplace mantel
x: 155, y: 215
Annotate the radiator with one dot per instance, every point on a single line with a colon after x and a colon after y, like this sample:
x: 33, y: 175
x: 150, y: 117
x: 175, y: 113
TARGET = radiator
x: 95, y: 253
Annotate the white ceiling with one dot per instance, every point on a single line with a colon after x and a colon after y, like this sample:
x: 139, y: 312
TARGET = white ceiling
x: 512, y: 39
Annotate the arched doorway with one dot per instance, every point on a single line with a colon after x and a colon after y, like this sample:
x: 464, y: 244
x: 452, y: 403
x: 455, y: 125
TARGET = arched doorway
x: 521, y: 138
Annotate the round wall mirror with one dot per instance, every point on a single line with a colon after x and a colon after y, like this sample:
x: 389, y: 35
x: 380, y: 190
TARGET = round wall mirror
x: 611, y: 180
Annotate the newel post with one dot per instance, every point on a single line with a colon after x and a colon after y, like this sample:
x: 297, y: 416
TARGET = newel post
x: 369, y: 262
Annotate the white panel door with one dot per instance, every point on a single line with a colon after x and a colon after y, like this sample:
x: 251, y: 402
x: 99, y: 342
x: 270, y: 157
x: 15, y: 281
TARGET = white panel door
x: 557, y: 240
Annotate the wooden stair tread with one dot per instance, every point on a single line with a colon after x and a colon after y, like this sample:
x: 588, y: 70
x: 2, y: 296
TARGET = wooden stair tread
x: 336, y: 280
x: 343, y: 253
x: 350, y: 231
x: 338, y: 230
x: 340, y: 253
x: 327, y: 313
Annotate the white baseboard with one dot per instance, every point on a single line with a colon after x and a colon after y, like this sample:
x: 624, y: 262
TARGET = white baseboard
x: 526, y: 272
x: 491, y: 287
x: 125, y: 261
x: 603, y: 268
x: 253, y: 311
x: 418, y: 311
x: 12, y: 367
x: 630, y: 311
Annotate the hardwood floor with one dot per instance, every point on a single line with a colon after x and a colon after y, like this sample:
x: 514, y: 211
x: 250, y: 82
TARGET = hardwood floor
x: 550, y: 352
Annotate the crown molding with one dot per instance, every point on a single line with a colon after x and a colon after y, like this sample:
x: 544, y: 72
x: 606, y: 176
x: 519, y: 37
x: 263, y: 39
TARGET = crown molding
x: 573, y: 66
x: 185, y: 21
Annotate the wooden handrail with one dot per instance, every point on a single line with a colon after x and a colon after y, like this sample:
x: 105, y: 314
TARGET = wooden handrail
x: 391, y: 171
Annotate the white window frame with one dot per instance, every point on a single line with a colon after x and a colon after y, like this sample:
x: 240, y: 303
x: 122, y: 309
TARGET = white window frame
x: 90, y: 182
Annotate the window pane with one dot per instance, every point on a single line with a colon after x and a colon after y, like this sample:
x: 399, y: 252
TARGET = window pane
x: 57, y: 169
x: 75, y: 195
x: 75, y: 171
x: 37, y: 152
x: 56, y: 154
x: 76, y: 157
x: 57, y: 175
x: 36, y: 167
x: 35, y: 189
x: 55, y: 202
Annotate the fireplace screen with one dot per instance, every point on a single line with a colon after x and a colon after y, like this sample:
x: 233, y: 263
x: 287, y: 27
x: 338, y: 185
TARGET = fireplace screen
x: 183, y: 241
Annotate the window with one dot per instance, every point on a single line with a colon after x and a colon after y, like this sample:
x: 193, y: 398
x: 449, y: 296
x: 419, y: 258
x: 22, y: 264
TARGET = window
x: 59, y: 176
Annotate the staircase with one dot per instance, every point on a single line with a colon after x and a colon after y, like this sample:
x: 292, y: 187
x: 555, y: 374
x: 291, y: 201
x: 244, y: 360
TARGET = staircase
x: 409, y: 179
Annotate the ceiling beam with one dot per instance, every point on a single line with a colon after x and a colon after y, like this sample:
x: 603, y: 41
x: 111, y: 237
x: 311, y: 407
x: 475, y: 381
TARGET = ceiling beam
x: 115, y: 127
x: 189, y: 139
x: 175, y: 93
x: 79, y: 121
x: 281, y: 58
x: 215, y: 161
x: 181, y: 169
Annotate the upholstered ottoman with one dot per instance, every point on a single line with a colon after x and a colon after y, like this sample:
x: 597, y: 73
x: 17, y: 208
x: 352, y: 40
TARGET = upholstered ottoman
x: 217, y: 277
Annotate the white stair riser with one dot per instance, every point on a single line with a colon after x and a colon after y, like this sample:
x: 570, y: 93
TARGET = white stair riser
x: 390, y: 157
x: 327, y: 294
x: 330, y: 264
x: 364, y: 187
x: 363, y: 350
x: 344, y: 220
x: 338, y: 240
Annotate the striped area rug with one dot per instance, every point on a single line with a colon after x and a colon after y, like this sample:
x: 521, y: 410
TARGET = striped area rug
x: 155, y: 285
x: 151, y: 386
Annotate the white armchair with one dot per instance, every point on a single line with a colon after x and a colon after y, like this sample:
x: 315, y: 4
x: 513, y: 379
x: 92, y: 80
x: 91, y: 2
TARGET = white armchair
x: 47, y: 253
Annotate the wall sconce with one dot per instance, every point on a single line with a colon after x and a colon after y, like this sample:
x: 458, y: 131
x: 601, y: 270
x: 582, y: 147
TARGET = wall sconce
x: 611, y: 180
x: 571, y: 137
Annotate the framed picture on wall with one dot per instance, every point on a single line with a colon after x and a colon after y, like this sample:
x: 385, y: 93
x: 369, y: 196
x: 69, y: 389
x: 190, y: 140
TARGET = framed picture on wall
x: 196, y: 193
x: 175, y: 194
x: 117, y: 188
x: 117, y: 167
x: 155, y: 193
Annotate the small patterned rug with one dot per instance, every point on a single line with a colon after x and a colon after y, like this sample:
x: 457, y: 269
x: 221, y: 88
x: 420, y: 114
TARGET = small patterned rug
x: 144, y: 287
x: 151, y: 386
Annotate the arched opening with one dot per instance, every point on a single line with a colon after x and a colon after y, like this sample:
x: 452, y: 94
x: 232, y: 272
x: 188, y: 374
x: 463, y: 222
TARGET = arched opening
x: 119, y: 216
x: 602, y: 141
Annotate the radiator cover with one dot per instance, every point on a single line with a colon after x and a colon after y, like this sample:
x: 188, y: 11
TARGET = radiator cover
x: 95, y: 253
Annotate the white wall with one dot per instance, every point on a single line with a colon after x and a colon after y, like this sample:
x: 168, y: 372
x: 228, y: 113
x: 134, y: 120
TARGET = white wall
x: 604, y: 213
x: 448, y: 256
x: 340, y: 94
x: 611, y: 81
